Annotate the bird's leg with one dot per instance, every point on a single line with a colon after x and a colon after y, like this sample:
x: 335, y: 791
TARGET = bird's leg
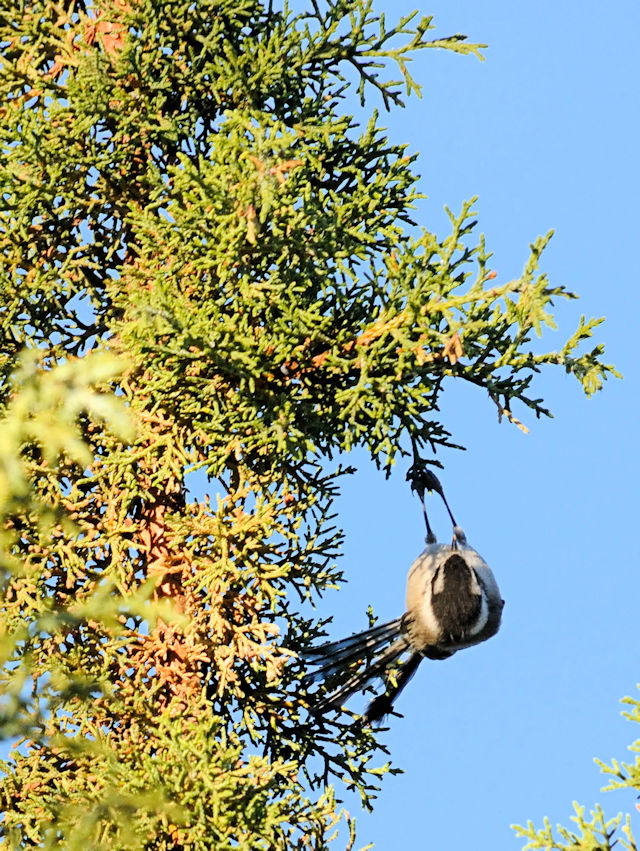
x: 444, y: 499
x: 432, y: 483
x: 431, y: 538
x: 423, y: 479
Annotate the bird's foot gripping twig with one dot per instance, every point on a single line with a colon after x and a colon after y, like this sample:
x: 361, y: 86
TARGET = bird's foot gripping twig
x: 423, y: 479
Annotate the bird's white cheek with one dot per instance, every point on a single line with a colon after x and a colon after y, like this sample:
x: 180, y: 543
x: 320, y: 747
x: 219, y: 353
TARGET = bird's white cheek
x: 427, y: 620
x: 437, y: 585
x: 482, y: 617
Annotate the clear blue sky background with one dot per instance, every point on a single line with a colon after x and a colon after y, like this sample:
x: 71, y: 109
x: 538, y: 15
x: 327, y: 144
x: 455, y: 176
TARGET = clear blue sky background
x: 545, y: 131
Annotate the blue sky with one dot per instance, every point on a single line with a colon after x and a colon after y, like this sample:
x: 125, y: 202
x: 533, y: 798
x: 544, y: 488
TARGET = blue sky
x: 545, y: 133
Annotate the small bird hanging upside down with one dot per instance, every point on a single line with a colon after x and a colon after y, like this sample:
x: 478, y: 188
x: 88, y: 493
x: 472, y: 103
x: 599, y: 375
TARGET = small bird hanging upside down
x: 453, y: 602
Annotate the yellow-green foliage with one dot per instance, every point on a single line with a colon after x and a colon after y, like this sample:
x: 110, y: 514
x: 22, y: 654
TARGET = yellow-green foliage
x: 597, y: 833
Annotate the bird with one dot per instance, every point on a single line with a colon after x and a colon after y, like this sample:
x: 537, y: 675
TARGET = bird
x: 452, y: 602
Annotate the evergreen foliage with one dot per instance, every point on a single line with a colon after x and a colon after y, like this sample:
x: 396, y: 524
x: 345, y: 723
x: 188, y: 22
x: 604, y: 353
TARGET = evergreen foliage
x: 206, y: 264
x: 597, y: 833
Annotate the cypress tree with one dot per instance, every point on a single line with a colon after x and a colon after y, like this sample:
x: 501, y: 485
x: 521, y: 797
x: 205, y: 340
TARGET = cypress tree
x: 208, y: 265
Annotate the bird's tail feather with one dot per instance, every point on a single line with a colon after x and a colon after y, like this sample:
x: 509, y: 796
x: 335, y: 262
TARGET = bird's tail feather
x: 362, y: 658
x: 383, y: 704
x: 337, y: 654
